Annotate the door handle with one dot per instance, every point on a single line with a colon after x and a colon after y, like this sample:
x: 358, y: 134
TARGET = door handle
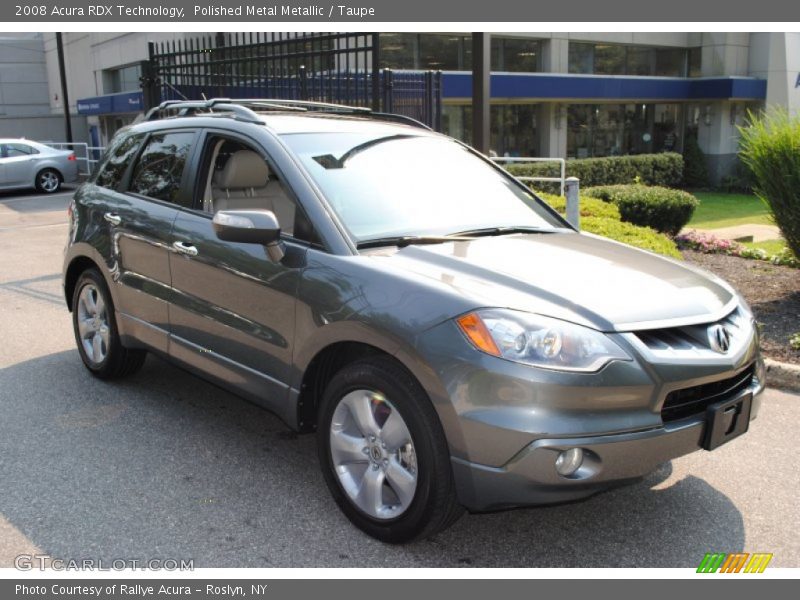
x: 185, y: 248
x: 112, y: 218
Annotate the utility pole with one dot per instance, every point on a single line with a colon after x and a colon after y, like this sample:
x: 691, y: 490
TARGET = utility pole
x: 481, y: 80
x: 62, y: 71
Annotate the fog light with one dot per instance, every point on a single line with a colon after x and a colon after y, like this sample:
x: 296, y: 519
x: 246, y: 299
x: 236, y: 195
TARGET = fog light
x: 569, y: 461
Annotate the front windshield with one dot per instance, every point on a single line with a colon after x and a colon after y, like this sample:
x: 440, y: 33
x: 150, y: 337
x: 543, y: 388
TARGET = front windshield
x: 407, y: 185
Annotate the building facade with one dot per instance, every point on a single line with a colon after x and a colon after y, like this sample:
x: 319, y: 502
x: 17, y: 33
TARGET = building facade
x: 552, y: 94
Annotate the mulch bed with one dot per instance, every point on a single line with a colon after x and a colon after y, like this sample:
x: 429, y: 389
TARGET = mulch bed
x: 772, y: 291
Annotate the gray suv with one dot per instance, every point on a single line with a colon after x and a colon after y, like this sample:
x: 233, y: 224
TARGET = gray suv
x: 452, y: 341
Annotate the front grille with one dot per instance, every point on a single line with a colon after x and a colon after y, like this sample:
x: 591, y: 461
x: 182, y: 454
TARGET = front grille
x: 694, y: 400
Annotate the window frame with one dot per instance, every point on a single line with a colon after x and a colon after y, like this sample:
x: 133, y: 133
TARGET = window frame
x: 184, y: 191
x: 201, y: 163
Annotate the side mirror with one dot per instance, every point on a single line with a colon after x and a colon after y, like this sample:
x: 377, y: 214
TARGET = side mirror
x: 250, y: 227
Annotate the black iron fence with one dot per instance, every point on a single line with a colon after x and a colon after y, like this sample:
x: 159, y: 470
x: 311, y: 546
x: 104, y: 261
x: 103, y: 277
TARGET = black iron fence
x: 341, y: 68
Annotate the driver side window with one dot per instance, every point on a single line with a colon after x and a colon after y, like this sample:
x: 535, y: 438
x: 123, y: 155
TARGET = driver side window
x: 238, y: 178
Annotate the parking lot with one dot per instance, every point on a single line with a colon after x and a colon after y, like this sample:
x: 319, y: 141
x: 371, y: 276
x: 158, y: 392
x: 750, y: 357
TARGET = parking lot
x: 165, y: 465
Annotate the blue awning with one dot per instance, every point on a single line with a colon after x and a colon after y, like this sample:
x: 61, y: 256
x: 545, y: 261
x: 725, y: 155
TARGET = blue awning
x: 563, y: 86
x: 126, y: 102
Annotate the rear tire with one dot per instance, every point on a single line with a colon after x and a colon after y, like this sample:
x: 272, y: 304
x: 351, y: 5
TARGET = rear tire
x: 95, y: 326
x: 48, y: 181
x: 393, y: 481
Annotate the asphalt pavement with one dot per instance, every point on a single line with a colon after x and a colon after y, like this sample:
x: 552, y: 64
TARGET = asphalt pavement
x: 165, y: 465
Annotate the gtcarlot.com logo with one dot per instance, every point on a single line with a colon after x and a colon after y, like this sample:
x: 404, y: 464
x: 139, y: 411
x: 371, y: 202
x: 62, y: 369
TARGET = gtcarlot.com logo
x: 738, y: 562
x: 29, y: 562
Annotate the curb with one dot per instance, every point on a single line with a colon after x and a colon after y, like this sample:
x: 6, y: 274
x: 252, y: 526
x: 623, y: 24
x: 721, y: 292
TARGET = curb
x: 783, y: 375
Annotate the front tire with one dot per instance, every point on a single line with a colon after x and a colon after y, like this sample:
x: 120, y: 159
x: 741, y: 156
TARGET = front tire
x: 383, y: 453
x: 48, y: 181
x: 95, y: 327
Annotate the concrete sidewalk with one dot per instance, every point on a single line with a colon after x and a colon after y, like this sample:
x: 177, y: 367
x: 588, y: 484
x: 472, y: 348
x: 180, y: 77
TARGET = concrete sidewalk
x: 759, y: 232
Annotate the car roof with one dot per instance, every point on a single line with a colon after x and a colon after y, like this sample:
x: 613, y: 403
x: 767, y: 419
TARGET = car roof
x: 37, y: 145
x: 289, y: 123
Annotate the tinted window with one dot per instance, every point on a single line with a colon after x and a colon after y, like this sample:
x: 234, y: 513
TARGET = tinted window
x: 13, y: 150
x: 113, y: 166
x: 158, y: 172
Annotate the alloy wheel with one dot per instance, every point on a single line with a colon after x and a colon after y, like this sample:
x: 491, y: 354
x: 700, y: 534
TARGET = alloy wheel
x: 93, y: 324
x: 373, y: 454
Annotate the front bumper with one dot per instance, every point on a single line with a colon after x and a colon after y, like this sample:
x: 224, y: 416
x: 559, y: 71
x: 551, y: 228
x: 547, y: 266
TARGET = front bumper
x: 506, y: 423
x: 530, y: 477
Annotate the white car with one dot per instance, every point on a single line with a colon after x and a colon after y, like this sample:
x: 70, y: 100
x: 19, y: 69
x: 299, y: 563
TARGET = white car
x: 27, y: 164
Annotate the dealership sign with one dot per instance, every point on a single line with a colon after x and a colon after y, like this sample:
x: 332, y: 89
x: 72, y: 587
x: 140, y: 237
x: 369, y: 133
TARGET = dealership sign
x: 126, y: 102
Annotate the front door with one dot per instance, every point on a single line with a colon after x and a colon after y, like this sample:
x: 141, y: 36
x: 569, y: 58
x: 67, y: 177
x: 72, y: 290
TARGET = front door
x: 233, y: 309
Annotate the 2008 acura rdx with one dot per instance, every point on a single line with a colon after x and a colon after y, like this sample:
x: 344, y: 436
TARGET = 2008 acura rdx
x: 451, y: 339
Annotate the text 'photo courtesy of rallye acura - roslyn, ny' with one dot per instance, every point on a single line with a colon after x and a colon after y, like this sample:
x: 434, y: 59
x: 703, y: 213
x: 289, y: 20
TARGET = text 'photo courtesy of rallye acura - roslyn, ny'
x: 453, y: 342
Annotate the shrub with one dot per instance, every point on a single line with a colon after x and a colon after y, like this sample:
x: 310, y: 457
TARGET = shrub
x: 627, y: 233
x: 665, y: 169
x: 603, y: 218
x: 695, y: 167
x: 589, y: 207
x: 770, y: 147
x: 663, y: 209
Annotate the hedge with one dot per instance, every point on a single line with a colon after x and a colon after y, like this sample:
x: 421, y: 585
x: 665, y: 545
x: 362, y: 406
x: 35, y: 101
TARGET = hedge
x: 665, y: 169
x: 589, y: 207
x: 627, y: 233
x: 663, y: 209
x: 603, y: 218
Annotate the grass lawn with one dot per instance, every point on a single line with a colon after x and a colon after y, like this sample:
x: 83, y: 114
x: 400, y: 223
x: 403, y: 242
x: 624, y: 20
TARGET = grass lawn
x: 725, y: 210
x: 771, y: 246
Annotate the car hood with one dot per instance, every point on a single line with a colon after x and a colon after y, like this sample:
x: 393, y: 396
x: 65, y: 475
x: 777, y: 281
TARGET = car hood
x: 576, y: 277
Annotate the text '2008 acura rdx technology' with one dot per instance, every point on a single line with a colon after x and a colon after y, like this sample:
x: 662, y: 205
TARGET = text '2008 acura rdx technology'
x: 452, y: 340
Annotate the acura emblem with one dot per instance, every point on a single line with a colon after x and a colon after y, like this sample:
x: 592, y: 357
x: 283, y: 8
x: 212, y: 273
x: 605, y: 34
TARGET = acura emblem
x: 720, y: 338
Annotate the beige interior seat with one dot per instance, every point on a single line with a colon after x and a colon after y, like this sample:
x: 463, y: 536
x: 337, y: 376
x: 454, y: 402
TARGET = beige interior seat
x: 245, y: 183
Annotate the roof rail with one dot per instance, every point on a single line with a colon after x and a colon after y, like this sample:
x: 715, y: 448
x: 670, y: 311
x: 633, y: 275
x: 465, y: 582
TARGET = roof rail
x: 307, y: 105
x: 191, y: 107
x: 244, y: 109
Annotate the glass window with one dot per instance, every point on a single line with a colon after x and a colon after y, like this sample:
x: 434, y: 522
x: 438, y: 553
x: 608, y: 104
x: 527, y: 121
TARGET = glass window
x: 639, y: 61
x: 619, y: 129
x: 13, y: 150
x: 581, y: 58
x: 158, y: 172
x: 695, y: 55
x: 513, y: 129
x: 112, y: 167
x: 609, y: 59
x: 125, y: 79
x: 444, y: 187
x: 670, y: 62
x: 399, y: 50
x: 516, y: 55
x: 617, y: 59
x: 440, y: 52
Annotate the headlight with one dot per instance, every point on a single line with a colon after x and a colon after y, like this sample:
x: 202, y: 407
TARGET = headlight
x: 539, y: 341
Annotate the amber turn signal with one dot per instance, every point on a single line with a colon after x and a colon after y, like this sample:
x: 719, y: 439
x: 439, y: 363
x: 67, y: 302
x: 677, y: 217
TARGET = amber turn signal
x: 473, y: 327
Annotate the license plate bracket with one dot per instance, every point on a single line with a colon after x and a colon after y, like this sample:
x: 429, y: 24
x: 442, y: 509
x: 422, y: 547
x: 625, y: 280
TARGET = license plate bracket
x: 727, y: 420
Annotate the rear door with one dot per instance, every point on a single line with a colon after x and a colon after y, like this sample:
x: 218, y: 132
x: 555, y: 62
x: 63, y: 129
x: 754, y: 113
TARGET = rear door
x: 141, y: 219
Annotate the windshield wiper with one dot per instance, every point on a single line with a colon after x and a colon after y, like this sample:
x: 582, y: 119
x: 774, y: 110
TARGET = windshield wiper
x: 490, y: 231
x: 408, y: 240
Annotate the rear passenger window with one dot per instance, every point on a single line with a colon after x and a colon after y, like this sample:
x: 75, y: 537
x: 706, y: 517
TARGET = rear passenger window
x: 160, y: 168
x: 112, y: 169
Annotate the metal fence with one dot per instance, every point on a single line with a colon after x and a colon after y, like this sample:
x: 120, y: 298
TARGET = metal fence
x: 341, y: 68
x: 561, y: 179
